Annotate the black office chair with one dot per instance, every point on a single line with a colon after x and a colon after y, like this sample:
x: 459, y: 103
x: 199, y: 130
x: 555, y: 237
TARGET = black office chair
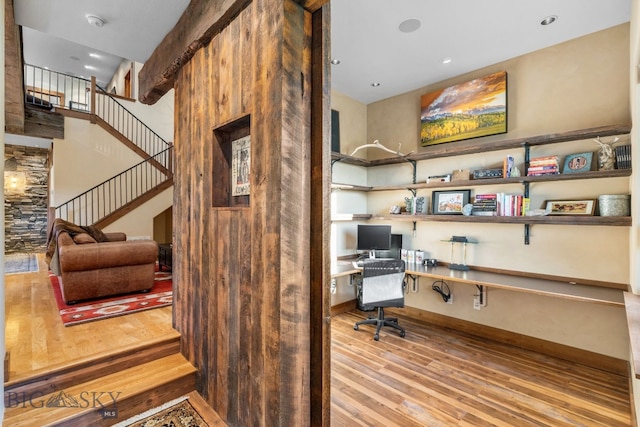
x: 382, y: 286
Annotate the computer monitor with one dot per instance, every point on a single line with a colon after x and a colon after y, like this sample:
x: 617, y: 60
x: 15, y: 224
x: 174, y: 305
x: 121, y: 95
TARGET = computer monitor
x: 373, y: 237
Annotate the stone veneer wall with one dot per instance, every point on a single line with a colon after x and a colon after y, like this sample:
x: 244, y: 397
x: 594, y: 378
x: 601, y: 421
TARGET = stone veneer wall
x: 26, y: 210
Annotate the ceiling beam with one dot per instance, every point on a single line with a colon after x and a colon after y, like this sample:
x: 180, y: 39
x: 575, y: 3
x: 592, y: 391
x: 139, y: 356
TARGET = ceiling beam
x: 201, y: 21
x: 312, y: 5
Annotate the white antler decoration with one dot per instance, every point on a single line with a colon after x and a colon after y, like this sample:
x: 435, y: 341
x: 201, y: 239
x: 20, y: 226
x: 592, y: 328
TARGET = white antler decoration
x: 606, y: 158
x: 376, y: 144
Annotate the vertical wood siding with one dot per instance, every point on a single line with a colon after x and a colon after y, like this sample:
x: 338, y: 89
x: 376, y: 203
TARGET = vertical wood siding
x: 242, y: 301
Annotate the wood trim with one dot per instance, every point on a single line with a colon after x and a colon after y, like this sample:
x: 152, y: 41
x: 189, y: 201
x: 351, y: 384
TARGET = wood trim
x: 200, y: 22
x: 313, y: 5
x: 129, y: 207
x: 82, y: 115
x: 344, y: 307
x: 116, y: 96
x: 584, y: 357
x: 632, y: 309
x: 320, y: 219
x: 133, y: 147
x: 39, y: 91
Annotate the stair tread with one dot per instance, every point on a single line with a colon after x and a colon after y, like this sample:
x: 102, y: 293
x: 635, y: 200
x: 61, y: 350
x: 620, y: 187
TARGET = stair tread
x: 92, y: 360
x: 119, y: 385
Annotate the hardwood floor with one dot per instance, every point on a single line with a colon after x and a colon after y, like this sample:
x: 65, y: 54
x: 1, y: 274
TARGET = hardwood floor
x: 37, y: 341
x: 438, y: 377
x: 432, y: 377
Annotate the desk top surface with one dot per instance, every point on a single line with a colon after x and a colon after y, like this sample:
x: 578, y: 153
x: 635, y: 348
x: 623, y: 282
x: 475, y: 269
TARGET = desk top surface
x: 555, y: 288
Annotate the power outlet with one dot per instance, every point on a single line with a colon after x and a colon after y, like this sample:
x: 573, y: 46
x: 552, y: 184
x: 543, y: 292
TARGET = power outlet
x: 476, y: 302
x: 450, y: 300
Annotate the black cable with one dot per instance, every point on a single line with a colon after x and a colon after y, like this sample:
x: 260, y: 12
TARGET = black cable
x: 443, y: 289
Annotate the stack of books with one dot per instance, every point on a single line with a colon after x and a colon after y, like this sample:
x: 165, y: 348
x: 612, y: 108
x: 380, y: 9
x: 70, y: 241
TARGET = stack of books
x: 623, y: 156
x: 500, y: 204
x: 543, y: 166
x: 485, y: 205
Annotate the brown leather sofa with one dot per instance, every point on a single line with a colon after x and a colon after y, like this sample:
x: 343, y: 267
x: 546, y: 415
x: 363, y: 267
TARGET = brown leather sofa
x: 89, y: 268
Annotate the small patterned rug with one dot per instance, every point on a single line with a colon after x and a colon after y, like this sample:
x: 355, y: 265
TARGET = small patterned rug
x: 20, y: 263
x: 180, y: 414
x: 161, y: 295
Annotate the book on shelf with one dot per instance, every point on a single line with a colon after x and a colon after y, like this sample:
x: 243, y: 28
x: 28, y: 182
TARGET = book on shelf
x: 547, y: 165
x: 485, y: 204
x: 500, y: 204
x: 508, y: 166
x: 623, y: 156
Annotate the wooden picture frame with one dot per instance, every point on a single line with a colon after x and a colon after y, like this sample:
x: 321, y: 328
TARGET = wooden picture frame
x: 579, y: 162
x: 449, y: 202
x: 570, y: 207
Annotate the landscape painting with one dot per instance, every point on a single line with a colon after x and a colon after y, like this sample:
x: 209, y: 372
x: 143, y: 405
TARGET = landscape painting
x: 468, y: 110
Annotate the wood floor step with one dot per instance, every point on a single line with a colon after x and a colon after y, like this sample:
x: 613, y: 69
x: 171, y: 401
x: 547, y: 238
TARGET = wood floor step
x: 106, y: 400
x: 50, y: 379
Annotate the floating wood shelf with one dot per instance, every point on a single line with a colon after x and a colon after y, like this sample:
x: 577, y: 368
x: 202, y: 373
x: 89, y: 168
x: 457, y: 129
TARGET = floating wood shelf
x: 350, y: 217
x: 550, y: 219
x: 476, y: 146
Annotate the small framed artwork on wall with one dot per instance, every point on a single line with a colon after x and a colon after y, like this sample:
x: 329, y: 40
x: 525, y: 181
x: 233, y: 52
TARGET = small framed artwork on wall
x: 240, y: 166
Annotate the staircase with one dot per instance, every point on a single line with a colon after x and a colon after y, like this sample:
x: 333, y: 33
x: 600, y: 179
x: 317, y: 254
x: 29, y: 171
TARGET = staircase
x: 119, y: 195
x: 102, y: 391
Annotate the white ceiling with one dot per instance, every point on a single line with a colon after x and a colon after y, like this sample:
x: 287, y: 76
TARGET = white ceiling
x: 56, y: 32
x: 365, y: 36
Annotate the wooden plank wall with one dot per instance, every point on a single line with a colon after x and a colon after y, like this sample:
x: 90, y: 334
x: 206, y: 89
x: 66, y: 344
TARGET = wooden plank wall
x: 242, y: 300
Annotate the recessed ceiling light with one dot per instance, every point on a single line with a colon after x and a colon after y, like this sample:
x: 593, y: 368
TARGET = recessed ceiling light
x: 96, y: 21
x: 446, y: 60
x: 89, y: 67
x: 94, y: 55
x: 409, y: 25
x: 375, y: 84
x: 335, y: 61
x: 549, y: 20
x: 75, y: 58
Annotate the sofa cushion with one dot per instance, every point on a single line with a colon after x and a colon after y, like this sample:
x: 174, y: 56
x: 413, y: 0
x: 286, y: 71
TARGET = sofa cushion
x: 96, y: 233
x: 83, y: 238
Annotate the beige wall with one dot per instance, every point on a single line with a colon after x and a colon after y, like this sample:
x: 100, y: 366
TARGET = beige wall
x: 87, y: 156
x: 575, y: 85
x: 634, y: 80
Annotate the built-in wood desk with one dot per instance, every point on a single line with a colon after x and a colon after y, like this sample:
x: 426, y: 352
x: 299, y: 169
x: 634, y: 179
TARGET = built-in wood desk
x: 512, y: 282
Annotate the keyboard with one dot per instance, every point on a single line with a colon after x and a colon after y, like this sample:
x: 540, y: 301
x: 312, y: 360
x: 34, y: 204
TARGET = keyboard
x: 360, y: 263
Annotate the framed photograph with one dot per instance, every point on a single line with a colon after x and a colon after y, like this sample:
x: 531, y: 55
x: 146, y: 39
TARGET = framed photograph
x: 240, y: 166
x: 571, y: 207
x: 449, y: 202
x: 580, y: 162
x: 468, y: 110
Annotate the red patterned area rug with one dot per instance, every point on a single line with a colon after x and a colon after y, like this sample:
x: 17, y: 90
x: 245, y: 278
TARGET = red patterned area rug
x: 160, y: 295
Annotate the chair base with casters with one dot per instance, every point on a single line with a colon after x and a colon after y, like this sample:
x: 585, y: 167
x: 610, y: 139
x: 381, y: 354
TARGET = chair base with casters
x: 380, y: 321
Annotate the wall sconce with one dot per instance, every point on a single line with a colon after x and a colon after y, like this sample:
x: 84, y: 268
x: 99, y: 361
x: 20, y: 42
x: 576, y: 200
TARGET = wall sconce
x: 14, y: 182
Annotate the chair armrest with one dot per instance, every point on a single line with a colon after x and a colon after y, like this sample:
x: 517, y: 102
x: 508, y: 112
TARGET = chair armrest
x: 116, y: 237
x: 108, y: 254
